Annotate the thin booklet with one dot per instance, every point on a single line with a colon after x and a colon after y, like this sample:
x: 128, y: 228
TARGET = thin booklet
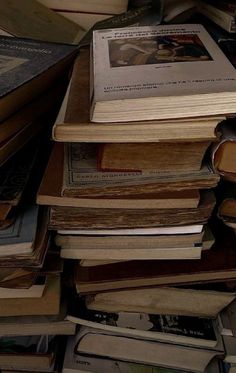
x: 159, y: 72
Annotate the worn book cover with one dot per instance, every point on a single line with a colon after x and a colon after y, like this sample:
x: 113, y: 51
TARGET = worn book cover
x: 27, y: 68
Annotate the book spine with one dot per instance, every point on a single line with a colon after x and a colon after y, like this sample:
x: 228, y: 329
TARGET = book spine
x: 224, y: 20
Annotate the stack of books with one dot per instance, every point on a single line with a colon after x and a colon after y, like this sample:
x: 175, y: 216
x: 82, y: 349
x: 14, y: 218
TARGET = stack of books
x: 34, y: 75
x: 130, y: 196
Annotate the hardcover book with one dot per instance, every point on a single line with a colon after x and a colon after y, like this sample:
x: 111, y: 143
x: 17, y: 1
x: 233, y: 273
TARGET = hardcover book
x: 29, y: 67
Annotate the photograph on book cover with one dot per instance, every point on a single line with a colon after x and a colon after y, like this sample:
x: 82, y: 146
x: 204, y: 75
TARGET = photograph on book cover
x: 157, y: 49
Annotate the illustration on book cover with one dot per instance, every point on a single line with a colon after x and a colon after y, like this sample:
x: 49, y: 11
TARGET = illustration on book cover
x: 157, y: 49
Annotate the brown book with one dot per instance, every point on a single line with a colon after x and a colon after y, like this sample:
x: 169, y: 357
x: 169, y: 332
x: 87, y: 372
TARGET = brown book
x: 175, y: 157
x: 35, y: 21
x: 224, y: 152
x: 65, y: 218
x: 74, y: 124
x: 136, y: 193
x: 217, y: 264
x: 48, y: 304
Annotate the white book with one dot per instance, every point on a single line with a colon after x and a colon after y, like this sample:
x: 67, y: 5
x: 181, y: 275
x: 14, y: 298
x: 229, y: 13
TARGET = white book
x: 159, y: 72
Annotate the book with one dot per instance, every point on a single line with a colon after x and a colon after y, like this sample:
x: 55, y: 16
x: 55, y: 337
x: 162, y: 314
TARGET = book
x: 73, y: 122
x: 133, y: 247
x: 186, y: 301
x: 30, y: 352
x: 48, y: 304
x: 213, y: 266
x: 95, y: 342
x: 72, y: 179
x: 91, y: 6
x: 75, y: 218
x: 161, y: 157
x: 35, y: 66
x: 183, y: 330
x: 223, y: 152
x: 35, y: 325
x: 122, y: 59
x: 34, y: 291
x: 222, y: 17
x: 77, y: 363
x: 85, y: 20
x: 19, y: 237
x: 53, y: 189
x: 226, y: 320
x: 35, y: 21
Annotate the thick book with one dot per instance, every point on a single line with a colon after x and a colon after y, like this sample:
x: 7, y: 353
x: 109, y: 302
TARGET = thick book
x: 75, y: 218
x: 35, y: 325
x: 223, y: 152
x: 72, y: 179
x: 222, y: 17
x: 34, y: 65
x: 147, y: 73
x: 77, y: 363
x: 215, y: 265
x: 48, y: 304
x: 186, y: 301
x: 73, y: 122
x: 106, y: 344
x: 35, y: 21
x: 161, y: 157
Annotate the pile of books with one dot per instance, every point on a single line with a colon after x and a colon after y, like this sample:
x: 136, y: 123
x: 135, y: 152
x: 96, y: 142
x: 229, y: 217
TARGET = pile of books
x: 129, y: 185
x: 34, y: 75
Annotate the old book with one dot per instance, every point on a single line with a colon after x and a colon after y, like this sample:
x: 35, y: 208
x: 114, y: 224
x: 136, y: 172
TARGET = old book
x: 226, y: 320
x: 37, y: 325
x: 95, y: 342
x: 27, y: 352
x: 73, y: 122
x: 84, y: 20
x: 48, y: 304
x: 222, y: 17
x: 36, y: 21
x: 223, y: 153
x: 34, y: 291
x: 17, y: 278
x: 36, y: 238
x: 122, y: 242
x: 213, y: 266
x: 162, y: 157
x: 76, y: 363
x: 230, y: 348
x: 187, y: 301
x: 35, y: 66
x: 92, y: 6
x: 134, y: 247
x: 124, y: 78
x: 75, y: 218
x: 19, y: 237
x: 63, y: 174
x: 72, y: 172
x: 192, y: 331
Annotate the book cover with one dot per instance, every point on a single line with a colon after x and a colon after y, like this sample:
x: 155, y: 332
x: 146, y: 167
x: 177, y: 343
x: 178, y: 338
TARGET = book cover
x: 137, y: 68
x: 27, y: 68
